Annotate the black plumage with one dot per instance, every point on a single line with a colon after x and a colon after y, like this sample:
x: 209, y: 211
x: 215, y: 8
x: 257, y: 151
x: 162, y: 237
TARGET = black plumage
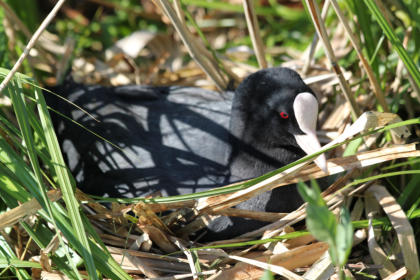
x: 179, y: 140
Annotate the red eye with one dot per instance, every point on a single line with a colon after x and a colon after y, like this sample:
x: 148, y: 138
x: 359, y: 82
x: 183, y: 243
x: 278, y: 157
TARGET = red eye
x: 284, y: 115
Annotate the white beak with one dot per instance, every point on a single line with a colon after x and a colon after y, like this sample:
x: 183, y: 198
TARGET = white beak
x: 306, y: 113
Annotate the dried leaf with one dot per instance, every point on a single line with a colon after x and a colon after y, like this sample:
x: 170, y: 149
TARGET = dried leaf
x: 401, y: 225
x: 30, y: 207
x: 292, y: 259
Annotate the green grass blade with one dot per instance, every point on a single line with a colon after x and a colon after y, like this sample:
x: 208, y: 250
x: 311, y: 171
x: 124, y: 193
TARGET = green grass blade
x: 16, y: 265
x: 15, y: 262
x: 230, y: 189
x: 65, y: 183
x: 365, y: 23
x: 395, y: 41
x: 100, y: 259
x: 17, y: 174
x: 22, y: 112
x: 279, y: 10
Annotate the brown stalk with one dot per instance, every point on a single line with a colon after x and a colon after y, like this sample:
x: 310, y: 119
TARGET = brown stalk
x: 202, y: 49
x: 356, y: 45
x: 321, y: 269
x: 268, y: 231
x: 315, y: 40
x: 335, y: 166
x: 22, y: 27
x: 255, y: 215
x: 368, y: 120
x: 399, y: 274
x: 341, y: 164
x: 301, y: 256
x: 322, y: 33
x: 398, y: 78
x: 178, y: 10
x: 31, y: 43
x: 401, y: 225
x: 189, y: 256
x: 266, y: 266
x: 186, y: 37
x: 17, y: 214
x: 254, y: 32
x: 379, y: 257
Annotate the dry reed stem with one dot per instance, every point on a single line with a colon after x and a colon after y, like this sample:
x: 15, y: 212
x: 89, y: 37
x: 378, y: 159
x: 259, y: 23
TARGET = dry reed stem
x: 31, y: 43
x: 339, y: 165
x: 298, y: 215
x: 338, y: 118
x: 315, y: 40
x: 322, y: 33
x: 312, y: 171
x: 183, y: 276
x: 248, y: 214
x: 370, y: 120
x: 146, y: 255
x: 138, y: 264
x: 150, y: 224
x: 220, y: 202
x: 63, y: 64
x: 321, y: 269
x: 275, y: 228
x: 161, y: 207
x: 321, y: 78
x: 188, y: 40
x: 178, y: 10
x: 200, y: 48
x: 377, y: 254
x: 401, y: 225
x: 367, y: 121
x: 397, y: 275
x: 189, y: 256
x: 400, y: 66
x: 24, y: 29
x: 301, y: 256
x: 17, y: 214
x: 254, y: 32
x: 356, y: 45
x: 273, y: 268
x: 204, y: 51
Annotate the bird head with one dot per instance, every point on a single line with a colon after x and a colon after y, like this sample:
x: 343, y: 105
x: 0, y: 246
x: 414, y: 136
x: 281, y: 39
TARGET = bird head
x: 274, y: 107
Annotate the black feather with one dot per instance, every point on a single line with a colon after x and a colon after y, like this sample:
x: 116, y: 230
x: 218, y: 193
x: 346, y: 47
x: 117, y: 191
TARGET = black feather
x: 179, y: 140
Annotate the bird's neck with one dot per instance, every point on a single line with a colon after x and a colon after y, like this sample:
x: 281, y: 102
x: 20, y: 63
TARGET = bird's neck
x: 254, y: 155
x: 248, y: 162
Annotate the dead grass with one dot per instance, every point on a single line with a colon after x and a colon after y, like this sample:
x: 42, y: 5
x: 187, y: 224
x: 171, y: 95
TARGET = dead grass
x: 153, y: 246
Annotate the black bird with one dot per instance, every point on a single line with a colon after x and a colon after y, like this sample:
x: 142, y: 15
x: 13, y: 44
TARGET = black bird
x: 179, y: 140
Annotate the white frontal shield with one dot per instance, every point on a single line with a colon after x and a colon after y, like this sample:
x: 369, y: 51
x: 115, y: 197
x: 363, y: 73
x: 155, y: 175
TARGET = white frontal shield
x: 306, y: 113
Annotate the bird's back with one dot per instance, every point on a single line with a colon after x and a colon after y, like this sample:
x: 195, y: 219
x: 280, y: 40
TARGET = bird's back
x: 170, y: 139
x: 179, y: 140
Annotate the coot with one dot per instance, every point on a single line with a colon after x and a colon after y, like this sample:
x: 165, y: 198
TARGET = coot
x: 178, y: 140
